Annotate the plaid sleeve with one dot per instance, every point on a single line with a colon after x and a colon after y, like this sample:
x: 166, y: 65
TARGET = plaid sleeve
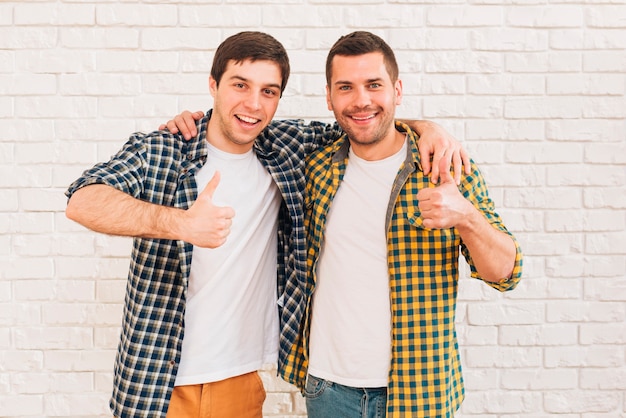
x: 125, y: 170
x: 313, y: 134
x: 474, y: 189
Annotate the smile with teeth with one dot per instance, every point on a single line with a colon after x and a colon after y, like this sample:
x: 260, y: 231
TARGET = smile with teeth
x: 247, y: 119
x: 363, y: 117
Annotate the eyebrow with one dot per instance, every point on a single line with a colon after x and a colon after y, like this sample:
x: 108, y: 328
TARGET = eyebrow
x: 238, y: 77
x: 368, y: 81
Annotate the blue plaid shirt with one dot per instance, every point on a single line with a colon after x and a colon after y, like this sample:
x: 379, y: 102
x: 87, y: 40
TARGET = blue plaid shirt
x: 159, y: 168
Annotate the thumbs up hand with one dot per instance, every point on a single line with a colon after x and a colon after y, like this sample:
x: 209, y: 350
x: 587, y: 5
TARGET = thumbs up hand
x: 208, y: 225
x: 443, y: 206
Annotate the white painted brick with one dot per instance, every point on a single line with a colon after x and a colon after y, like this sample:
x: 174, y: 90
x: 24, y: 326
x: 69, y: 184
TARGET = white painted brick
x: 80, y: 360
x: 508, y: 40
x: 4, y: 383
x: 111, y: 246
x: 504, y: 403
x: 584, y: 357
x: 464, y: 16
x: 231, y: 16
x: 137, y: 15
x: 84, y: 267
x: 604, y: 61
x: 602, y: 379
x: 137, y: 62
x: 545, y: 17
x: 28, y: 37
x: 532, y: 84
x: 533, y: 379
x: 480, y: 379
x: 55, y: 61
x: 111, y: 290
x: 604, y: 39
x: 95, y: 38
x: 544, y: 107
x: 8, y: 201
x: 6, y: 107
x: 53, y: 338
x: 506, y: 313
x: 606, y: 290
x: 22, y: 405
x: 31, y: 84
x: 175, y: 83
x: 606, y: 17
x: 605, y: 197
x: 7, y: 59
x: 462, y: 62
x: 538, y: 335
x: 55, y: 107
x: 573, y: 175
x: 99, y: 85
x: 604, y: 107
x: 607, y: 243
x: 107, y: 338
x: 607, y: 334
x: 277, y: 403
x: 567, y: 39
x: 545, y: 152
x: 69, y: 404
x: 578, y: 401
x: 585, y: 130
x: 6, y: 14
x: 22, y: 360
x: 42, y: 200
x: 153, y: 39
x: 54, y: 14
x: 26, y: 268
x: 32, y: 245
x: 26, y: 222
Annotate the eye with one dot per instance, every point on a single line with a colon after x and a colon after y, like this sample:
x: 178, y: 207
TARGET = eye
x: 270, y: 92
x: 344, y: 88
x: 239, y: 85
x: 375, y: 85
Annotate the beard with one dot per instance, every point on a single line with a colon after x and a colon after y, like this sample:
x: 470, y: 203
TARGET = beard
x: 370, y: 134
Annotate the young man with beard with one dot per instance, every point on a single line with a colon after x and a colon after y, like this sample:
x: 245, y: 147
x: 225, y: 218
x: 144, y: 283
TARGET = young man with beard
x: 378, y: 337
x: 218, y: 242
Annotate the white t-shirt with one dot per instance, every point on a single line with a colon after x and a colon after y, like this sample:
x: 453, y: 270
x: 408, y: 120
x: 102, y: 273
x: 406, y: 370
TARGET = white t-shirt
x: 231, y: 318
x: 350, y: 341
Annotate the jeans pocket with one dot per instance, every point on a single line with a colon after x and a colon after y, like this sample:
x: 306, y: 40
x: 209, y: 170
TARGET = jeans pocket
x: 314, y: 387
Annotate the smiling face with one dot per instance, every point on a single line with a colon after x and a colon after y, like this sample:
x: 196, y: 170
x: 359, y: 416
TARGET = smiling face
x: 245, y: 101
x: 363, y: 98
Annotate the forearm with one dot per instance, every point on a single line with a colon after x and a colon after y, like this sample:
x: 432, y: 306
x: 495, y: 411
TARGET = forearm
x: 105, y: 209
x: 493, y: 252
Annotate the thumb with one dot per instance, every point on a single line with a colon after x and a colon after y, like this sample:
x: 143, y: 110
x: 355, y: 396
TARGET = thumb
x: 444, y: 172
x: 212, y: 185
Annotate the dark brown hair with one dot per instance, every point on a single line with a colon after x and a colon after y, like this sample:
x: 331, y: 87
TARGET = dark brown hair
x: 251, y: 46
x: 360, y: 43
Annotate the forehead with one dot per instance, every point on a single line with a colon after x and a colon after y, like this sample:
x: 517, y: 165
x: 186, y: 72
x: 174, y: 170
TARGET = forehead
x: 354, y: 68
x: 262, y: 71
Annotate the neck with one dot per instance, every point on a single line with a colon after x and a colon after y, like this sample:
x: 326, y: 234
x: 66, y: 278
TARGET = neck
x: 379, y: 150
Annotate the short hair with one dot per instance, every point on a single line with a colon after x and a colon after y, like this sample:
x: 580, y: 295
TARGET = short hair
x: 360, y: 43
x: 253, y: 46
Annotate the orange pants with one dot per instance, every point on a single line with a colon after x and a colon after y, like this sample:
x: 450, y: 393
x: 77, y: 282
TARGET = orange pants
x: 236, y: 397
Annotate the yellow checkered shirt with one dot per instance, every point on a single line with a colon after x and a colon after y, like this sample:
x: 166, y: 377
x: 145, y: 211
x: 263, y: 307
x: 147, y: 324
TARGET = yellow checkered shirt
x: 425, y: 377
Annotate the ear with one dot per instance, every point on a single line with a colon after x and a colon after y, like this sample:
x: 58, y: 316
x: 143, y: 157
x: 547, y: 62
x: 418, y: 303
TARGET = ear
x: 212, y: 86
x: 398, y: 88
x: 328, y: 102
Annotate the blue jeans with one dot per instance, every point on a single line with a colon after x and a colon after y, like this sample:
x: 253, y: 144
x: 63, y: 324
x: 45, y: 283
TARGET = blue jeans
x: 325, y: 399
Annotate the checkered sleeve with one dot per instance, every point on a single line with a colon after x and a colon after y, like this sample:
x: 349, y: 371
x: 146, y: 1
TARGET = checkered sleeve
x: 474, y: 188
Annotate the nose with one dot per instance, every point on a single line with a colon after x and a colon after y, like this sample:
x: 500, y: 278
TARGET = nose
x: 362, y: 97
x: 253, y: 100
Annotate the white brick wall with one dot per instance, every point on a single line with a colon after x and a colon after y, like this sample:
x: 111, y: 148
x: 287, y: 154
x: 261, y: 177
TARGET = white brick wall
x: 535, y: 89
